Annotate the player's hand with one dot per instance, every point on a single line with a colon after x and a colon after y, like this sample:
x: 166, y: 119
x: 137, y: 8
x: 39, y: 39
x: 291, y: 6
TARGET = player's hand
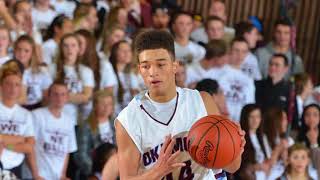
x: 242, y: 133
x: 167, y: 162
x: 38, y: 178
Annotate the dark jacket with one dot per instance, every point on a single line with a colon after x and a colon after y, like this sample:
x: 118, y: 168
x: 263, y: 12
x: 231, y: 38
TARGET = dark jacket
x: 271, y: 95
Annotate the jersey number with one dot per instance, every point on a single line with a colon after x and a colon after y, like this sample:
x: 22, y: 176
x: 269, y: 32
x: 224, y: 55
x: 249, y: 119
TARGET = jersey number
x: 185, y: 173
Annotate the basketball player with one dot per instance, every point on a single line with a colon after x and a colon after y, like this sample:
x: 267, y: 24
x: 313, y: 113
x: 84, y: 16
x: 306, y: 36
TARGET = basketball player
x: 151, y: 131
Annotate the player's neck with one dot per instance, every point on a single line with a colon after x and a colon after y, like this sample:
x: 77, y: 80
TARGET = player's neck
x: 165, y: 97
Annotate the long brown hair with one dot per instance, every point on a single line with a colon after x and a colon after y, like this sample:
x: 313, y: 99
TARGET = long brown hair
x: 272, y: 123
x: 92, y: 119
x: 114, y: 60
x: 90, y: 57
x: 61, y: 58
x: 106, y: 34
x: 34, y: 62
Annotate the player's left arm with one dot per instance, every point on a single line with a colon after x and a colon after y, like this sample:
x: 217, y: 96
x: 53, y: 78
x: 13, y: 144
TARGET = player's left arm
x: 212, y: 109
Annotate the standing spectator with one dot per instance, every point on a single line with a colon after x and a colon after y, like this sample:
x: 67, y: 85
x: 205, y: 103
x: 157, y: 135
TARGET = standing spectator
x: 215, y: 57
x: 54, y: 133
x: 185, y: 50
x: 249, y: 32
x: 42, y: 14
x: 36, y: 78
x: 78, y: 77
x: 239, y: 58
x: 160, y: 17
x: 277, y: 88
x: 98, y: 129
x: 127, y: 82
x: 5, y: 41
x: 218, y: 9
x: 85, y: 17
x: 139, y: 14
x: 60, y: 25
x: 17, y: 131
x: 280, y: 44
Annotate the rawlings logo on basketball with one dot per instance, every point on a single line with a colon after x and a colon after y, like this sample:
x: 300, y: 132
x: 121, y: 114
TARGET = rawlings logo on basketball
x: 205, y: 151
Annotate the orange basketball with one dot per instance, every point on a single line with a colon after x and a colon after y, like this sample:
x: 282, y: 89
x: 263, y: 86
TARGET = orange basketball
x: 214, y: 141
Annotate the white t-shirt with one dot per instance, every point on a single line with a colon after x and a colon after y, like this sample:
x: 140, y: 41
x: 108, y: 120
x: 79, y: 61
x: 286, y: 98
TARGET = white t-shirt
x: 190, y: 53
x: 238, y: 89
x: 108, y: 76
x: 64, y: 7
x: 128, y: 81
x: 14, y: 121
x: 106, y: 132
x: 42, y: 19
x: 36, y: 83
x: 149, y: 134
x: 196, y: 73
x: 76, y: 85
x: 49, y: 51
x: 4, y: 59
x: 55, y: 139
x: 250, y: 67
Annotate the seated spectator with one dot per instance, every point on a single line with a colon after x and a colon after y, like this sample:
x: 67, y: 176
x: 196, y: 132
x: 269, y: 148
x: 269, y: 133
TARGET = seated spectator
x: 36, y: 78
x: 242, y: 58
x: 298, y: 161
x: 105, y: 163
x: 54, y: 133
x: 276, y: 129
x: 17, y: 130
x: 78, y: 77
x: 186, y: 50
x: 215, y: 57
x: 310, y: 126
x: 212, y: 87
x: 95, y: 131
x: 257, y: 151
x: 275, y: 85
x: 281, y: 44
x: 5, y: 41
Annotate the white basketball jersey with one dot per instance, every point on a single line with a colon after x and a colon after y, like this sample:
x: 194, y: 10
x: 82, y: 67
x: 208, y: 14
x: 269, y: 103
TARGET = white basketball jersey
x: 148, y: 133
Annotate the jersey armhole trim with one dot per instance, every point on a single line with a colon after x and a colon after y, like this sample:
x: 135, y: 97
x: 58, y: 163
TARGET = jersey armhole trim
x: 130, y: 135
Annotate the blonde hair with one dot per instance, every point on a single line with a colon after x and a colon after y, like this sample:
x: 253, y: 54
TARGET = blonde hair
x: 10, y: 68
x: 97, y: 96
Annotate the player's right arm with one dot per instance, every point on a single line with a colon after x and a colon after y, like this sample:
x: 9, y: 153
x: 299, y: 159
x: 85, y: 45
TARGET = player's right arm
x: 129, y: 158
